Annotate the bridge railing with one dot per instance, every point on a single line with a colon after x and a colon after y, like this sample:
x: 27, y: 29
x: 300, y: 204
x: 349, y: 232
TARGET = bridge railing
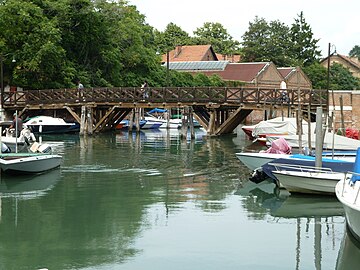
x: 221, y: 95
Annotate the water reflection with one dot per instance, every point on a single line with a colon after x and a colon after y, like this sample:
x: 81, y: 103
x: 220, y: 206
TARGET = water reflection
x: 109, y: 184
x: 28, y: 186
x: 315, y: 218
x: 349, y: 253
x: 154, y: 201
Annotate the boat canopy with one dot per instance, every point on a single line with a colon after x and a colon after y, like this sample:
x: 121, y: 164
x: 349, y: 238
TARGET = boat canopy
x: 157, y: 110
x: 356, y: 177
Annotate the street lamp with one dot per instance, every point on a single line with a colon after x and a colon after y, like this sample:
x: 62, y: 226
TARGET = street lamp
x: 2, y: 83
x: 167, y: 67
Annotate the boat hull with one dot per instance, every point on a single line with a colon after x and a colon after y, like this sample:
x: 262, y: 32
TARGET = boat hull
x: 28, y: 164
x: 50, y: 125
x: 55, y: 129
x: 347, y: 195
x: 256, y: 160
x: 338, y: 164
x: 309, y: 182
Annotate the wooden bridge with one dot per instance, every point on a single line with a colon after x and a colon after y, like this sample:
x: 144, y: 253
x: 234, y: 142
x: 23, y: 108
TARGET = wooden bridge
x: 218, y: 109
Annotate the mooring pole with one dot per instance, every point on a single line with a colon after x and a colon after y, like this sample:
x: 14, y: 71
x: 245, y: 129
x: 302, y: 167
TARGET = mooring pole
x: 319, y: 138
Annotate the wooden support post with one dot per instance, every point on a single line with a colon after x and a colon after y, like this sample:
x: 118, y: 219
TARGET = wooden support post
x: 319, y: 138
x: 137, y: 119
x: 89, y: 121
x: 131, y: 120
x: 76, y: 117
x: 309, y: 129
x: 299, y: 129
x: 82, y: 120
x: 167, y: 115
x: 343, y: 131
x: 102, y: 122
x: 191, y: 123
x: 211, y: 127
x: 184, y: 122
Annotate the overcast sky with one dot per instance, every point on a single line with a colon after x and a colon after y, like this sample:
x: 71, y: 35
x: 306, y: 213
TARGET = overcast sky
x: 335, y: 22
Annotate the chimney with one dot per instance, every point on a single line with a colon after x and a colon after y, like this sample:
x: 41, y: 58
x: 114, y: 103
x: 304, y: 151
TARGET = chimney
x: 178, y: 49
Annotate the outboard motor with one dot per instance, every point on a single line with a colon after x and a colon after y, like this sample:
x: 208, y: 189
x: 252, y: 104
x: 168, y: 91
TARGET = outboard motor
x: 45, y: 148
x: 40, y: 148
x: 258, y: 176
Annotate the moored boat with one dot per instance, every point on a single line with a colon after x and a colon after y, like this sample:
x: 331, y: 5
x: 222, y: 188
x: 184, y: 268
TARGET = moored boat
x: 25, y: 163
x: 308, y: 180
x: 39, y: 159
x: 50, y: 125
x: 347, y: 192
x: 143, y: 123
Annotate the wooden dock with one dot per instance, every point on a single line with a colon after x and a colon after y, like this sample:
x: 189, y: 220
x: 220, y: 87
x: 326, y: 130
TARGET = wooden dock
x: 218, y: 109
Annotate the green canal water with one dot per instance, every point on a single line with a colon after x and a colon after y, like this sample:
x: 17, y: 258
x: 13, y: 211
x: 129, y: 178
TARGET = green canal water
x: 154, y: 201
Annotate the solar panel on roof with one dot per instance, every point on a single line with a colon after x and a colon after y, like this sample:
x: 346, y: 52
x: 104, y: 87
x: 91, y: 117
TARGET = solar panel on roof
x: 198, y: 65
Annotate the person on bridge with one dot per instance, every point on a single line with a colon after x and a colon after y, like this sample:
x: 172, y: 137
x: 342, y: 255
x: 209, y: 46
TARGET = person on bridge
x: 80, y: 88
x: 145, y: 89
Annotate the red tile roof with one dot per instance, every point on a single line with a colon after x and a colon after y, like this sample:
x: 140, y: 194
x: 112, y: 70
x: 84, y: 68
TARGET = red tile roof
x: 189, y: 53
x: 245, y: 72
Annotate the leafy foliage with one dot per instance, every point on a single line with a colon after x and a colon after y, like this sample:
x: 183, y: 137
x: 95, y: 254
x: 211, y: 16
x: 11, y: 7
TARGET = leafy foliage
x: 304, y: 46
x: 216, y: 35
x: 171, y: 37
x: 340, y: 78
x: 280, y: 44
x: 108, y: 43
x: 355, y: 52
x: 264, y: 42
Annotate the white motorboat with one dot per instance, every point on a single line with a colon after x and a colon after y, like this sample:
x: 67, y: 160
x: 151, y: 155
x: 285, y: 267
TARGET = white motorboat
x: 49, y: 125
x: 254, y: 160
x: 173, y: 123
x: 143, y: 123
x: 39, y: 159
x: 306, y: 179
x: 347, y: 191
x: 28, y: 162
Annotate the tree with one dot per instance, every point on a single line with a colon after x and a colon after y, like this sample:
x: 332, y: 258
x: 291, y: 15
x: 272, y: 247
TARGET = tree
x: 216, y: 35
x: 304, y: 46
x: 34, y: 40
x: 57, y: 42
x: 172, y: 36
x: 355, y: 52
x: 342, y: 79
x: 267, y: 42
x: 317, y: 75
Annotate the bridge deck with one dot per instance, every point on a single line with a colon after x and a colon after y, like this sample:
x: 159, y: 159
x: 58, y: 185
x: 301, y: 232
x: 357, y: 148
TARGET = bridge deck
x: 202, y: 99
